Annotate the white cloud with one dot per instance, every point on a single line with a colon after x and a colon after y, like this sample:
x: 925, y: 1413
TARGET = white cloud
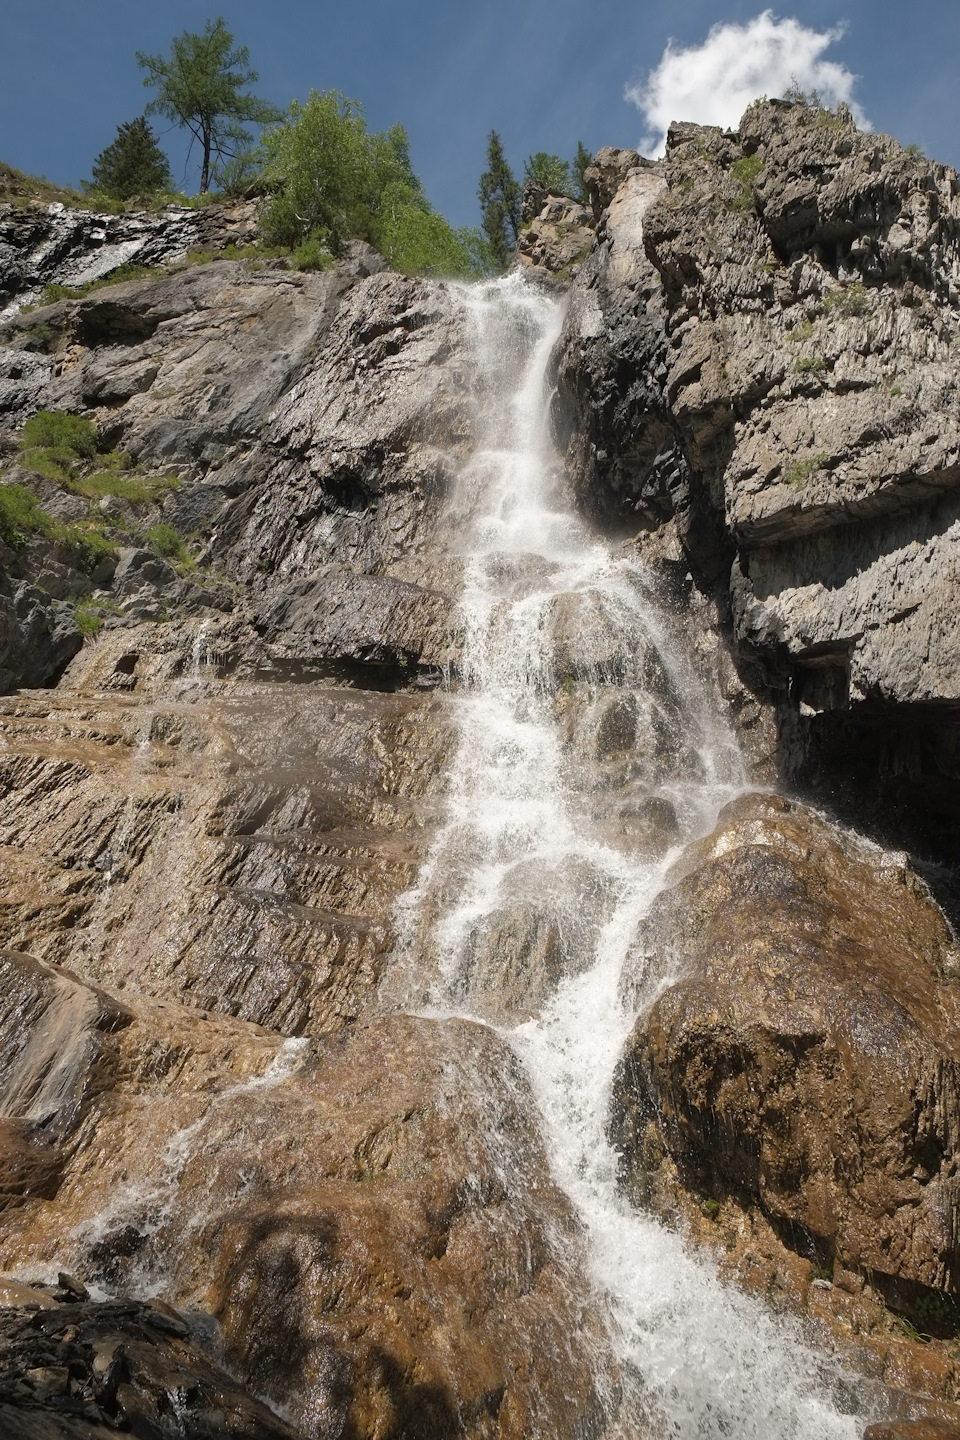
x: 713, y: 83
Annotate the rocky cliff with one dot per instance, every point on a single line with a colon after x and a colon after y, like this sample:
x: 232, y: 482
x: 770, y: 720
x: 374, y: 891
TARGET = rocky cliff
x: 761, y: 351
x: 230, y: 654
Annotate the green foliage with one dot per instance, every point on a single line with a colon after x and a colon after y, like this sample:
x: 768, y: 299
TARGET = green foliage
x: 578, y: 165
x: 323, y: 166
x: 914, y: 151
x: 423, y: 243
x: 201, y: 86
x: 22, y: 515
x: 54, y: 428
x: 812, y: 364
x: 333, y: 180
x: 88, y: 617
x: 798, y: 472
x: 165, y: 540
x: 52, y: 293
x: 500, y: 203
x: 800, y: 332
x: 547, y: 172
x: 848, y: 300
x: 744, y: 171
x: 133, y: 165
x: 311, y: 255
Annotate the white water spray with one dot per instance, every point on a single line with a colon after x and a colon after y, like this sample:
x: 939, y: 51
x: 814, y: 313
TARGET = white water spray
x: 579, y: 727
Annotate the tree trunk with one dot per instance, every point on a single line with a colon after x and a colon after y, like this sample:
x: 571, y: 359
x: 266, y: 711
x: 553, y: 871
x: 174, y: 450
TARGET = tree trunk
x: 205, y: 173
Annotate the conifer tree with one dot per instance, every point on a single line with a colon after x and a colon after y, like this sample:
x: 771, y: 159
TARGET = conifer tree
x: 500, y: 203
x: 200, y: 86
x: 578, y: 164
x: 132, y: 165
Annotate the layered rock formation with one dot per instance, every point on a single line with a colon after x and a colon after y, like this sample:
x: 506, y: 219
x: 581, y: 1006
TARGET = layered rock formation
x: 212, y: 806
x: 762, y: 349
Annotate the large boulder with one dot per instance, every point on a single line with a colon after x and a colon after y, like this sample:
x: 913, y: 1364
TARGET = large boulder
x: 805, y: 1056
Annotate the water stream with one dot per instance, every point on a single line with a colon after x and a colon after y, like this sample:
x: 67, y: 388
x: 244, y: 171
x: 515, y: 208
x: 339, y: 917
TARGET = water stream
x: 588, y: 756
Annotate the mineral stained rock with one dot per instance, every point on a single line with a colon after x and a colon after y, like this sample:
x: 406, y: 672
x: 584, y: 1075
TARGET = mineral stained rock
x: 806, y: 1056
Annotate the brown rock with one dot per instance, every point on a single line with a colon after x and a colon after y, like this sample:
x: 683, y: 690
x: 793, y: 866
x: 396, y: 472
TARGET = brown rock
x: 807, y: 1058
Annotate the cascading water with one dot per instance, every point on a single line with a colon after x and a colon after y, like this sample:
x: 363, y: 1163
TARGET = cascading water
x: 586, y: 751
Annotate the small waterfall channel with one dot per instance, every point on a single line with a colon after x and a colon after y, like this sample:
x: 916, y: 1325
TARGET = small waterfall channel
x: 587, y: 756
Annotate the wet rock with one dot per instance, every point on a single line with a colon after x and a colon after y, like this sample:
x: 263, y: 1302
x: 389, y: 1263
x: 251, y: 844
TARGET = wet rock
x: 370, y: 1220
x: 118, y: 1367
x: 760, y: 347
x: 805, y: 1057
x: 338, y: 615
x: 291, y: 828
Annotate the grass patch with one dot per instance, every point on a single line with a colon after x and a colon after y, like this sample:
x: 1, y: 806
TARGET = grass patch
x: 800, y: 332
x: 165, y: 540
x: 54, y: 428
x: 64, y: 448
x: 52, y: 293
x: 22, y: 515
x: 847, y: 301
x: 744, y: 171
x: 88, y: 617
x: 798, y: 472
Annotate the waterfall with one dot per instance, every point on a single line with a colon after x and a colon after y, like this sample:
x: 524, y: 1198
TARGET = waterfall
x: 588, y: 755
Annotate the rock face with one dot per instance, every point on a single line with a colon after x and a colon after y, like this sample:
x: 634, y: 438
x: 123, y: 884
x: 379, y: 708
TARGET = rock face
x: 350, y: 1213
x: 92, y: 1369
x: 212, y: 807
x: 761, y: 347
x: 805, y: 1058
x: 53, y: 244
x: 557, y: 239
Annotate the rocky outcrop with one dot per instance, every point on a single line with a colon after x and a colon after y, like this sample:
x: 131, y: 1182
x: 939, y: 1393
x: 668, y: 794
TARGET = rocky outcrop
x: 805, y: 1059
x: 761, y: 348
x: 56, y: 244
x: 557, y: 239
x: 73, y: 1368
x: 349, y: 1223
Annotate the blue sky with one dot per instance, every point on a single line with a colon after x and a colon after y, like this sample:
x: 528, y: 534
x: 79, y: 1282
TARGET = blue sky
x: 545, y: 73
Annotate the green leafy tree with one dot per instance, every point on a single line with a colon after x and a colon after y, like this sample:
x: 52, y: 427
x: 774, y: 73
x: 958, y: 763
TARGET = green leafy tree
x: 500, y: 203
x: 331, y: 180
x: 133, y: 164
x: 201, y: 86
x: 578, y: 165
x: 547, y: 172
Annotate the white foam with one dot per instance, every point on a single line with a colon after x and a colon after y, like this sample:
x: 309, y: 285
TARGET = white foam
x: 703, y: 1358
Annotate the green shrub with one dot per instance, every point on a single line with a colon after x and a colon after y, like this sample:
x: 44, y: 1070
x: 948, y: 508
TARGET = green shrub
x: 798, y: 472
x: 88, y: 617
x: 811, y: 364
x: 55, y: 463
x: 744, y: 171
x: 330, y: 176
x: 21, y: 514
x: 312, y: 255
x: 165, y: 540
x: 54, y: 428
x: 847, y: 301
x: 86, y: 544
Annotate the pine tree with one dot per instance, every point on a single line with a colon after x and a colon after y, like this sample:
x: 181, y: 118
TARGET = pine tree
x: 133, y: 165
x: 578, y: 164
x: 500, y: 203
x: 200, y: 87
